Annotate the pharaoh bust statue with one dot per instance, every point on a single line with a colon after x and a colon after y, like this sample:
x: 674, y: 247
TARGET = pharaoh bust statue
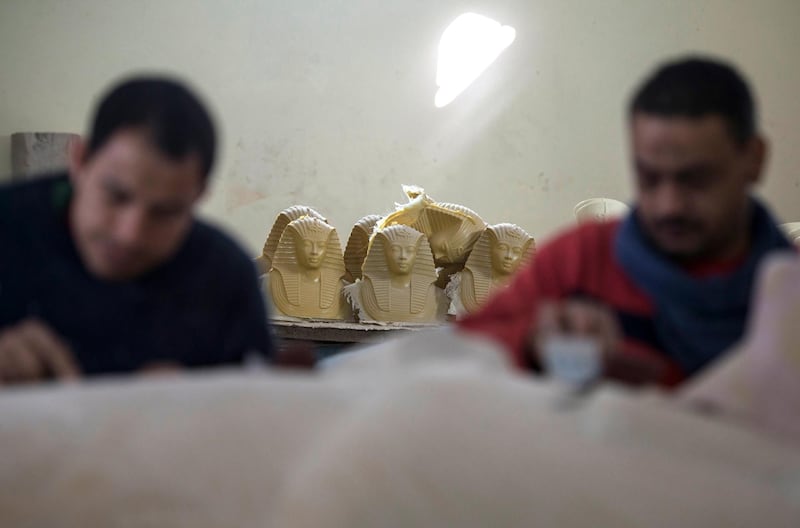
x: 599, y: 210
x: 307, y: 269
x: 398, y: 278
x: 264, y: 261
x: 451, y: 229
x: 498, y: 253
x: 357, y: 245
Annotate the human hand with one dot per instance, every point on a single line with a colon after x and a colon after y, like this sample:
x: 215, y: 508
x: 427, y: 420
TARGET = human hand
x: 577, y: 318
x: 597, y: 323
x: 32, y: 351
x: 161, y: 369
x: 300, y: 355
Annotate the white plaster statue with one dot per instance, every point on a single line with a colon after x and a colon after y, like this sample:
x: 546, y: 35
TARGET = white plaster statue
x: 599, y: 210
x: 307, y: 269
x: 497, y: 255
x: 264, y: 261
x: 792, y: 230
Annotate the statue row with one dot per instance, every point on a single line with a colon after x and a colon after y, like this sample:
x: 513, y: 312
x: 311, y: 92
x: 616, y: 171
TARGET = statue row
x: 414, y: 265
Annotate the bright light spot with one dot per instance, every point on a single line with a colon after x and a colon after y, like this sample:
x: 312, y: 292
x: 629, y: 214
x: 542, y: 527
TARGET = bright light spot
x: 469, y: 45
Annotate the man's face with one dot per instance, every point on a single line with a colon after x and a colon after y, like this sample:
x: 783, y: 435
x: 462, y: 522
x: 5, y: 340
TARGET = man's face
x: 400, y: 257
x: 311, y: 251
x: 693, y: 181
x: 132, y: 206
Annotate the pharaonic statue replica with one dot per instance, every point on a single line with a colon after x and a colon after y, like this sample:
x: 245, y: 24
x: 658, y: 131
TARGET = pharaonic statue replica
x: 307, y: 269
x: 264, y: 261
x: 498, y: 253
x: 398, y: 279
x: 357, y: 245
x: 599, y: 210
x: 452, y: 229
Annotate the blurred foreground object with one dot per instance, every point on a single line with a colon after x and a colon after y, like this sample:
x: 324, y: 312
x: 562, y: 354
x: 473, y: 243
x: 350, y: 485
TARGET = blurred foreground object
x: 430, y: 430
x: 760, y: 382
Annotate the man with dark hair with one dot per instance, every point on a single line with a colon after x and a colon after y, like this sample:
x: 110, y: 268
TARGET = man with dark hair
x: 665, y: 291
x: 106, y: 270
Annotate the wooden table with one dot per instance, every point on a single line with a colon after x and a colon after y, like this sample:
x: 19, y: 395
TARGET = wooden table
x: 340, y: 332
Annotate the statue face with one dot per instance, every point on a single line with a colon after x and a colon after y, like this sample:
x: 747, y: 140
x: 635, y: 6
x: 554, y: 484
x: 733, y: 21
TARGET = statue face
x: 400, y: 256
x: 311, y: 251
x: 506, y: 257
x: 441, y: 248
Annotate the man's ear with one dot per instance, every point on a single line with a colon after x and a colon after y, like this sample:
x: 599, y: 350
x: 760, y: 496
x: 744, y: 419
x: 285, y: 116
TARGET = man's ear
x: 758, y: 150
x: 203, y: 190
x: 76, y: 156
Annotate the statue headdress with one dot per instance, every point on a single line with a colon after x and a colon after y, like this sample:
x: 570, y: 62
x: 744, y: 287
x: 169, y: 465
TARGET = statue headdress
x: 281, y: 221
x: 357, y: 246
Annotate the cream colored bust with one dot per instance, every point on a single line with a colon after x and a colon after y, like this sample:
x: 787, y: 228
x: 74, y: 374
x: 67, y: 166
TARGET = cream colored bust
x: 305, y: 279
x: 497, y: 255
x: 264, y: 261
x: 452, y: 231
x: 357, y: 245
x: 599, y: 210
x: 398, y: 278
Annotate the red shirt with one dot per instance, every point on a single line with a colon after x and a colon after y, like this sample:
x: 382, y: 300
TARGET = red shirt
x: 579, y: 262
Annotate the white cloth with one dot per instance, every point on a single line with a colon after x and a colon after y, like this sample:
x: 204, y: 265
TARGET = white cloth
x: 423, y: 447
x: 433, y: 429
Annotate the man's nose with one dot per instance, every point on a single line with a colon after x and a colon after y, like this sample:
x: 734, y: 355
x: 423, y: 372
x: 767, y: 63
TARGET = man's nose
x: 671, y: 200
x: 130, y: 227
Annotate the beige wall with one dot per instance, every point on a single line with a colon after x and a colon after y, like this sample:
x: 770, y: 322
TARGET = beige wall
x: 330, y: 104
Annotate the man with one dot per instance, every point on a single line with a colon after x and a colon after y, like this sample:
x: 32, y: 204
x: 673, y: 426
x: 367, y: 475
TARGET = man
x: 665, y: 291
x: 106, y: 270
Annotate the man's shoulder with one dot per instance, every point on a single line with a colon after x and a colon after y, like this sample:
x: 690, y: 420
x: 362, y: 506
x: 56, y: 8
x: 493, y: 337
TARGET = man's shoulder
x: 588, y: 238
x: 41, y: 192
x: 211, y: 245
x: 34, y: 185
x: 32, y: 210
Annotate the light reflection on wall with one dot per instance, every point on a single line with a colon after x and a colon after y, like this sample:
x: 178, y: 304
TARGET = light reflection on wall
x: 469, y: 45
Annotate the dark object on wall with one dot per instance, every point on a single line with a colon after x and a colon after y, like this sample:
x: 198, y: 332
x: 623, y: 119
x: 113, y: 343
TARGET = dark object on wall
x: 35, y: 153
